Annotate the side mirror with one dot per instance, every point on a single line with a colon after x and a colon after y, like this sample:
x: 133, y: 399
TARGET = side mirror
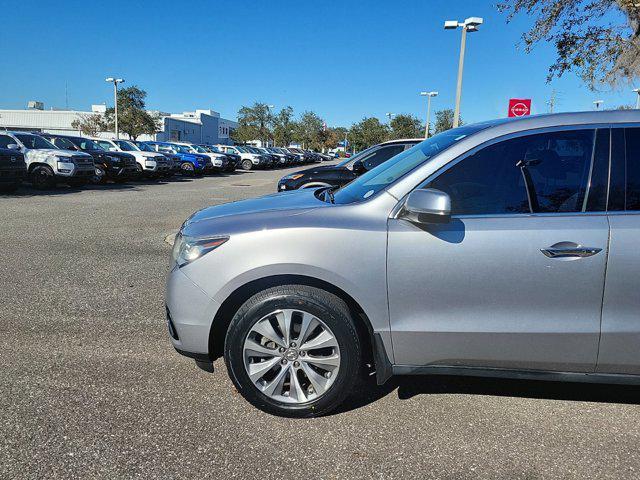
x: 427, y: 206
x: 13, y: 146
x: 358, y: 167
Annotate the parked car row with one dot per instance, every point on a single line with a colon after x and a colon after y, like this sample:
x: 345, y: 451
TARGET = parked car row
x: 45, y: 159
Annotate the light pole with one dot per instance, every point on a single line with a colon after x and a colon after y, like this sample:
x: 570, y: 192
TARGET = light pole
x: 269, y: 107
x: 429, y: 95
x: 637, y: 90
x: 469, y: 25
x: 115, y: 82
x: 390, y: 116
x: 597, y: 104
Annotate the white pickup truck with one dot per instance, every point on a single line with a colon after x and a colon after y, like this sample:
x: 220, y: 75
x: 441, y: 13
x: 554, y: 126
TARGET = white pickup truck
x: 149, y: 163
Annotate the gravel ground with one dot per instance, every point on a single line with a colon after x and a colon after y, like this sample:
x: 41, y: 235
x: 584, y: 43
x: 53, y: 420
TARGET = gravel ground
x: 91, y: 387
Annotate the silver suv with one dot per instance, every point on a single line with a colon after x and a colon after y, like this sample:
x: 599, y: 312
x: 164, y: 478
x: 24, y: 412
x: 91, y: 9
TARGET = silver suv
x: 47, y: 164
x: 503, y: 248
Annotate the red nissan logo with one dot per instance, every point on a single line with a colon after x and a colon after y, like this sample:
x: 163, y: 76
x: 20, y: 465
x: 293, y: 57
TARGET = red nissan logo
x: 519, y: 109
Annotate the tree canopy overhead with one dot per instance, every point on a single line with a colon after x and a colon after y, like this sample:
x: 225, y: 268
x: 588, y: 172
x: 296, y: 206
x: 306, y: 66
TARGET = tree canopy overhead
x: 597, y: 39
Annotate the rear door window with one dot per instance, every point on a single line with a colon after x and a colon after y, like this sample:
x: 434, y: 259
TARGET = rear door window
x: 625, y: 169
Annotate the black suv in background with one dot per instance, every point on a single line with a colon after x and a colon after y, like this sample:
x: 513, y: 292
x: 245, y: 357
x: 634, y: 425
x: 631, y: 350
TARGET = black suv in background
x: 343, y: 173
x: 13, y: 169
x: 117, y: 166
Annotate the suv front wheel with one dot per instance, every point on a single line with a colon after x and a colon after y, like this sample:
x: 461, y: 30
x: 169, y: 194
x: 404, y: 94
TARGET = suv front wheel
x: 293, y: 351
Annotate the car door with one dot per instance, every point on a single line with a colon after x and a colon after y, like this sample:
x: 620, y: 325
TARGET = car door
x: 620, y: 341
x: 515, y: 279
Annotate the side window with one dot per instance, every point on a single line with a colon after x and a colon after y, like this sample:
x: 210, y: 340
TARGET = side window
x: 545, y: 172
x: 6, y: 140
x: 105, y: 145
x: 632, y: 140
x: 381, y: 155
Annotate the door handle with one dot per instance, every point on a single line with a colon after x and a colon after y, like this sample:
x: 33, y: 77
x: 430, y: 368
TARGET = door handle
x: 569, y: 249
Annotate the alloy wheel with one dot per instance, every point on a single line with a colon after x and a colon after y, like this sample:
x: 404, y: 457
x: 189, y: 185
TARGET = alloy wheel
x: 291, y: 356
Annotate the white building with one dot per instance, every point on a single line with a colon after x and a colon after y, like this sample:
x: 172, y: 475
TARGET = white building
x: 200, y: 126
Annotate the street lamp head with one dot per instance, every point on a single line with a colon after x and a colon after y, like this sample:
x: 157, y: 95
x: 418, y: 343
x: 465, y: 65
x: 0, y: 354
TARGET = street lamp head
x: 637, y: 90
x: 451, y: 24
x: 109, y: 79
x: 433, y: 94
x: 119, y: 80
x: 472, y: 28
x: 473, y: 22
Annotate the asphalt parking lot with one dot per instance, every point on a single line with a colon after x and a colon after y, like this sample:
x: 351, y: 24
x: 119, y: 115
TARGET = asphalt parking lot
x: 91, y: 387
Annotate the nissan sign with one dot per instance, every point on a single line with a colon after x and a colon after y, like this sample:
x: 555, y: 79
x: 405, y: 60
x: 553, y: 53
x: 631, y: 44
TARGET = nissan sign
x: 519, y: 107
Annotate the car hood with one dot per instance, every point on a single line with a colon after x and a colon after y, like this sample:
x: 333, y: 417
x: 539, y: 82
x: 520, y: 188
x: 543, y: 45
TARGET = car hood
x: 289, y: 203
x: 47, y: 152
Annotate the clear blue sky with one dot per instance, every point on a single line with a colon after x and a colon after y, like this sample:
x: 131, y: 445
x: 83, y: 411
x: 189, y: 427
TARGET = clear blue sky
x: 342, y: 59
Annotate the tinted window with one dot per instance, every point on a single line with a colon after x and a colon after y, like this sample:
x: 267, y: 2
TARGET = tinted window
x: 34, y: 141
x: 632, y: 138
x: 105, y: 145
x: 5, y: 141
x: 535, y: 173
x: 381, y: 155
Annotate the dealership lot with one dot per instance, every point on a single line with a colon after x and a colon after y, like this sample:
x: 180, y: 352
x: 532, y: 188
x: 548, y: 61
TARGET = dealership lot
x: 92, y: 388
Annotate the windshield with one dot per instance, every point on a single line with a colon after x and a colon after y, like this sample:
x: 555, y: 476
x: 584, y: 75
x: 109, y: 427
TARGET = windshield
x: 35, y: 142
x: 242, y: 149
x: 145, y: 148
x: 348, y: 163
x: 181, y: 148
x: 388, y: 172
x: 62, y: 142
x: 127, y: 146
x: 198, y: 149
x: 85, y: 144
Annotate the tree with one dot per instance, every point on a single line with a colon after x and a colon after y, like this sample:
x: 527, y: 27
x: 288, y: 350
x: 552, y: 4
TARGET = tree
x: 369, y: 131
x: 90, y: 125
x: 598, y: 39
x: 444, y: 120
x: 254, y: 123
x: 406, y: 126
x: 133, y: 119
x: 284, y: 127
x: 310, y: 130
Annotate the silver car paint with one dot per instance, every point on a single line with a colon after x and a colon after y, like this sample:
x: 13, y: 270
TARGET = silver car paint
x: 497, y: 301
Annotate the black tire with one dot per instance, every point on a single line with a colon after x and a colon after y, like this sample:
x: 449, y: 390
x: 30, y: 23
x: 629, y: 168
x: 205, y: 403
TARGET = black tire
x: 187, y: 169
x: 326, y: 306
x: 42, y: 177
x: 100, y: 176
x: 247, y: 164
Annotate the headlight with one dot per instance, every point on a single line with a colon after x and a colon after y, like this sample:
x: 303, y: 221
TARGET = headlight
x: 187, y: 249
x: 150, y: 163
x: 293, y: 176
